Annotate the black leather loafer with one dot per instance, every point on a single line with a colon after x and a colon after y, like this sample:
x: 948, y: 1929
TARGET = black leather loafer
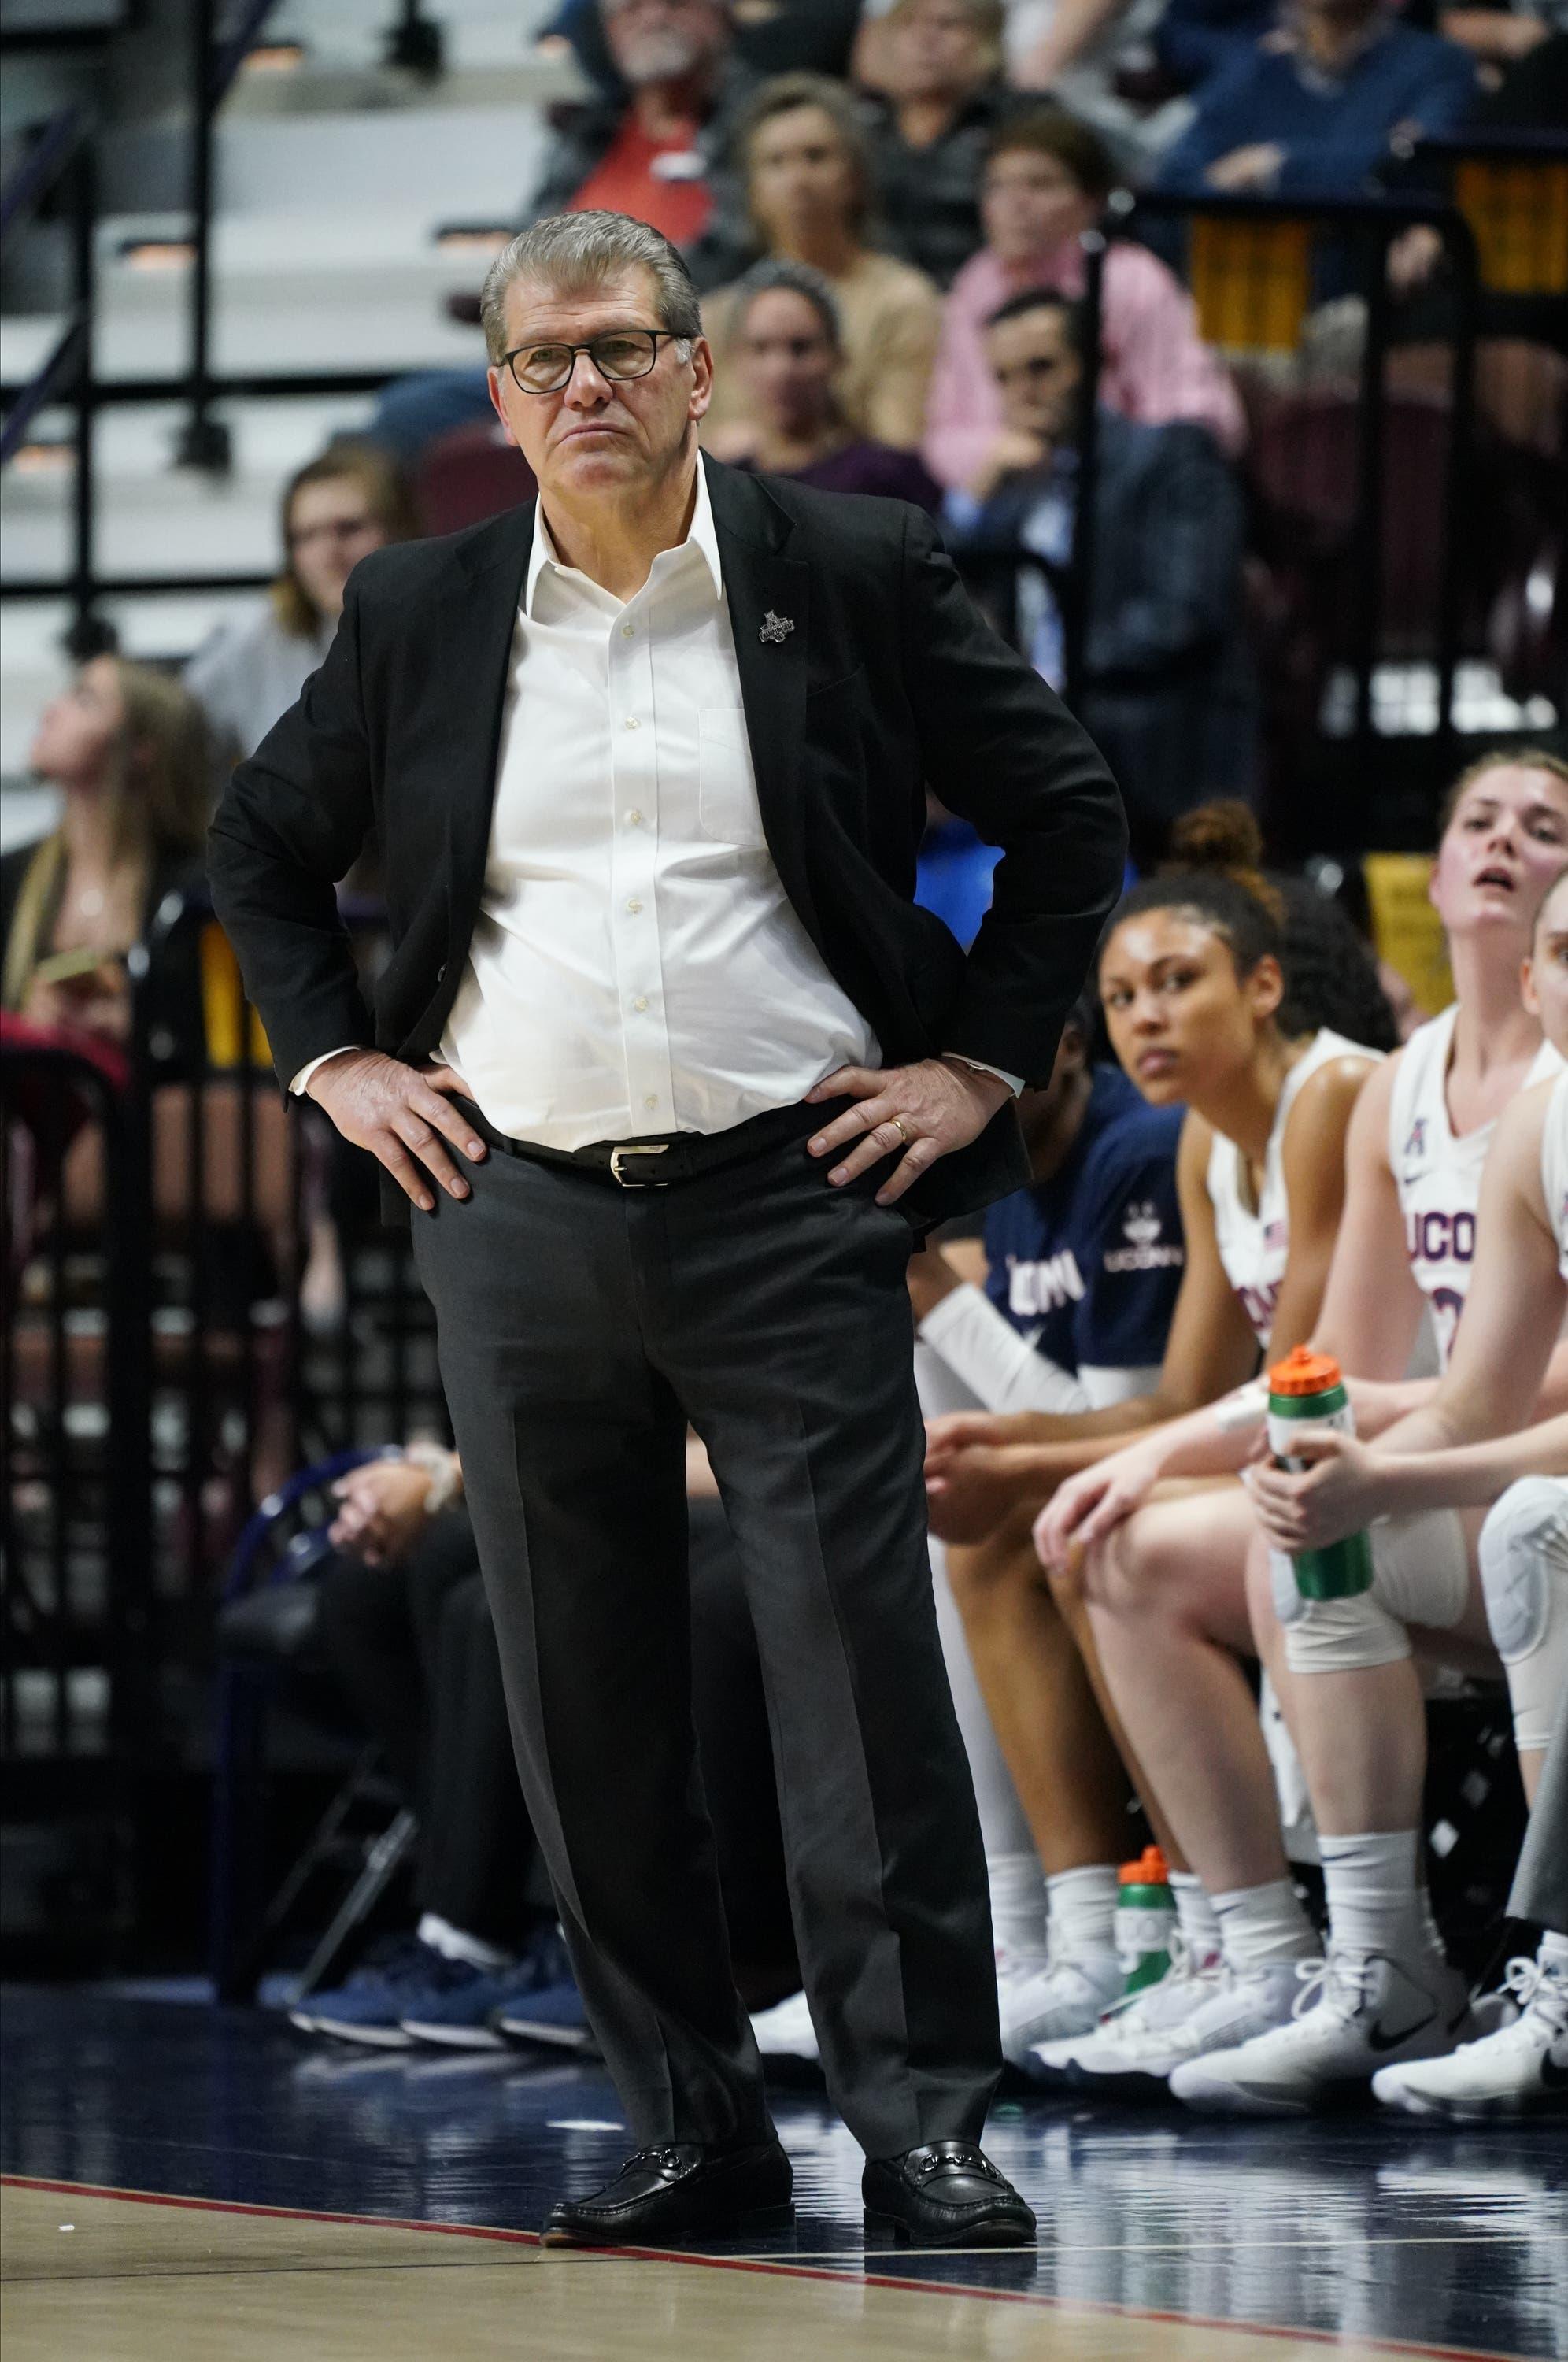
x: 947, y: 2194
x: 684, y: 2190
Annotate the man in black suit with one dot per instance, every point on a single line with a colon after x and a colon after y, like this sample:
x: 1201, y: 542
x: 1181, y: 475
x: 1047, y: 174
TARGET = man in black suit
x: 647, y: 768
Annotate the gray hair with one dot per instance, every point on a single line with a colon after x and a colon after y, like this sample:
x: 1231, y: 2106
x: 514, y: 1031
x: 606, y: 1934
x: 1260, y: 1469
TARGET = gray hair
x: 570, y: 252
x: 794, y: 279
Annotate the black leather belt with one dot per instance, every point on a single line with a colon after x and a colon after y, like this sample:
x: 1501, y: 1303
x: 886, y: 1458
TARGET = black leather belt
x: 665, y: 1159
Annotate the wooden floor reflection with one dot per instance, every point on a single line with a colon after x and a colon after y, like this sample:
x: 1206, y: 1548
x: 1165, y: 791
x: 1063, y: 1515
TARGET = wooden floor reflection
x: 96, y: 2278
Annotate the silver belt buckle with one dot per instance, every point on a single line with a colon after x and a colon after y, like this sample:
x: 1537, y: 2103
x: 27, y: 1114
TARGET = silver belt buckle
x: 632, y: 1180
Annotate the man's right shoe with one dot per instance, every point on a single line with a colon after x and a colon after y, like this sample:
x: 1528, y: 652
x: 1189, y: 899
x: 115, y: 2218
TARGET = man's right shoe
x: 945, y: 2194
x: 679, y: 2191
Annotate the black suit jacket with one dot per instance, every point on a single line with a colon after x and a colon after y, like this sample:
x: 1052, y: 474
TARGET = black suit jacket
x: 889, y: 680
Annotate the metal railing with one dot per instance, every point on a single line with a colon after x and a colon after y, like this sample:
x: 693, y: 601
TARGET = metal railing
x: 62, y: 157
x: 158, y: 1382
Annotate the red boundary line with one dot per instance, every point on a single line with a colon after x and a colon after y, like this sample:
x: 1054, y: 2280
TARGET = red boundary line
x: 780, y: 2268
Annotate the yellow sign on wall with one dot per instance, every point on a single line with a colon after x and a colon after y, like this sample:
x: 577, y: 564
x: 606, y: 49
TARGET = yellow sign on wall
x: 1405, y: 927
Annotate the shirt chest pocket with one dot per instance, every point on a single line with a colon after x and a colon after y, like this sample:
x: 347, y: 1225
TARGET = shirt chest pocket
x: 727, y: 809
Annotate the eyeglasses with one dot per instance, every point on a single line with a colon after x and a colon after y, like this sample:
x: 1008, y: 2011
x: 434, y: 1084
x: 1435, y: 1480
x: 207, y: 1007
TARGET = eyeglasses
x: 624, y: 353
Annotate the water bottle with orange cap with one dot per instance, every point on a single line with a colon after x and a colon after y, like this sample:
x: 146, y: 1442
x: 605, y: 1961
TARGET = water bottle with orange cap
x: 1307, y: 1395
x: 1146, y: 1919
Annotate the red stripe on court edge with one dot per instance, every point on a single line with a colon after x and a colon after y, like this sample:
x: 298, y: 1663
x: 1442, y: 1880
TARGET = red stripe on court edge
x: 780, y: 2269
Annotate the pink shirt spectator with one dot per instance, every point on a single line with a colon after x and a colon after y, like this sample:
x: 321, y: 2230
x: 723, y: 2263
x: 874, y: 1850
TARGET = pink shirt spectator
x: 1154, y: 366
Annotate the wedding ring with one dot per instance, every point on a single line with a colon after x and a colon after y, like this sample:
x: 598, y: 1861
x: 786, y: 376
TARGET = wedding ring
x: 901, y: 1128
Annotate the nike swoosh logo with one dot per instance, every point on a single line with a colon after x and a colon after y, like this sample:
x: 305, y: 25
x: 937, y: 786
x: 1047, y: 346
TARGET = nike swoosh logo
x: 1377, y: 2039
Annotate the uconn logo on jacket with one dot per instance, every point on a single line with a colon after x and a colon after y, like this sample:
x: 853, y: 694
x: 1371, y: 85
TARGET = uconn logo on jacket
x: 1086, y: 1262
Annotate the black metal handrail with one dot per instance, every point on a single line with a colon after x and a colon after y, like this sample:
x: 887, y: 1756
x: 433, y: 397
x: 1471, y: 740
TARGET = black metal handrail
x: 63, y: 153
x: 204, y: 441
x: 1378, y: 218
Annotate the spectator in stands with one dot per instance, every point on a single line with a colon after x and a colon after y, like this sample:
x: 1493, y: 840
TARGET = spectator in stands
x: 127, y: 750
x: 1167, y: 1575
x: 936, y: 103
x: 336, y: 509
x: 655, y: 143
x: 1046, y: 180
x: 1197, y: 38
x: 809, y: 197
x: 786, y: 352
x: 1314, y: 116
x: 1198, y: 953
x: 659, y: 153
x: 1166, y: 686
x: 803, y: 37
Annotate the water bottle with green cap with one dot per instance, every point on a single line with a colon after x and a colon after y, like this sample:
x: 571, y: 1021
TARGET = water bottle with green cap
x: 1146, y: 1920
x: 1306, y: 1396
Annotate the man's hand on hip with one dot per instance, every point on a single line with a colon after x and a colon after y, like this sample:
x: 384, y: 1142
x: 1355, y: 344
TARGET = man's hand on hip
x: 401, y: 1114
x: 927, y: 1110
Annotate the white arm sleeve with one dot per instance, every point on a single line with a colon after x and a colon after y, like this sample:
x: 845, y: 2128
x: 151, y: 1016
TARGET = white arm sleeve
x: 993, y: 1361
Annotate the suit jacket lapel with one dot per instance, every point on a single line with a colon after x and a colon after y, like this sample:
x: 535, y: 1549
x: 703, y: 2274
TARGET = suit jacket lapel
x: 766, y: 590
x: 493, y: 570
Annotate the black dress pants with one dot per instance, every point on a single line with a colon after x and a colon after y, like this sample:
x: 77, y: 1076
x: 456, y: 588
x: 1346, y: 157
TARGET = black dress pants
x: 580, y: 1326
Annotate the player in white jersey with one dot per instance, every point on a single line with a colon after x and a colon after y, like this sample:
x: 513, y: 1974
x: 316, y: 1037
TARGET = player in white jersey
x: 1167, y: 1580
x: 1195, y: 995
x: 1436, y: 1170
x: 1466, y: 1447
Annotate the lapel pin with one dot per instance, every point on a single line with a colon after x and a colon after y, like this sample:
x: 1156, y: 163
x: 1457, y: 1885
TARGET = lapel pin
x: 775, y: 628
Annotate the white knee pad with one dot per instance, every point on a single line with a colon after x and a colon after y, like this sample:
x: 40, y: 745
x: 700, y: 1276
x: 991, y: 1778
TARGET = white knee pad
x: 1420, y: 1575
x: 1524, y: 1575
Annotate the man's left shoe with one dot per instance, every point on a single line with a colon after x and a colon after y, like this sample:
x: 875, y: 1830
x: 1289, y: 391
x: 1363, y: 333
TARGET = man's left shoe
x: 684, y: 2190
x: 947, y: 2194
x: 1357, y: 2012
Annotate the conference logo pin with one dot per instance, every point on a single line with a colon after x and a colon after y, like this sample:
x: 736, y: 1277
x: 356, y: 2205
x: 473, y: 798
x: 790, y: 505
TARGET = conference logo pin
x: 775, y: 628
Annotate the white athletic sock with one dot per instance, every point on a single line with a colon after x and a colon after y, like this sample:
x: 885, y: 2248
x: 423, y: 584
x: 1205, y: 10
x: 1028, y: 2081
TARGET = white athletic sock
x: 1083, y: 1911
x: 1194, y: 1915
x: 1553, y: 1952
x: 1262, y: 1927
x: 1017, y: 1902
x: 457, y: 1944
x: 1375, y: 1893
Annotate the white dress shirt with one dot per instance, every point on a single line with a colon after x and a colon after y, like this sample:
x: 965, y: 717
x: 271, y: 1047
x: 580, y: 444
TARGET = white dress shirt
x: 636, y: 966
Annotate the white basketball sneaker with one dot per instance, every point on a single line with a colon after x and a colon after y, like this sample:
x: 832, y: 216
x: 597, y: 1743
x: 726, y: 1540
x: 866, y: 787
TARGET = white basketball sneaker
x: 786, y: 2031
x: 1355, y: 2011
x: 1521, y: 2070
x: 1230, y: 2006
x: 1053, y: 1999
x: 1112, y: 2056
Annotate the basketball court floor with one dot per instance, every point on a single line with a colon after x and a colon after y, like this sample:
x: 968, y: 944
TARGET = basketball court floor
x: 187, y: 2183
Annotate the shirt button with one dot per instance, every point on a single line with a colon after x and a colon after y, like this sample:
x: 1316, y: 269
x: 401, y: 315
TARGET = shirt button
x: 634, y: 906
x: 631, y: 722
x: 628, y: 631
x: 651, y: 1100
x: 633, y: 818
x: 640, y: 1003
